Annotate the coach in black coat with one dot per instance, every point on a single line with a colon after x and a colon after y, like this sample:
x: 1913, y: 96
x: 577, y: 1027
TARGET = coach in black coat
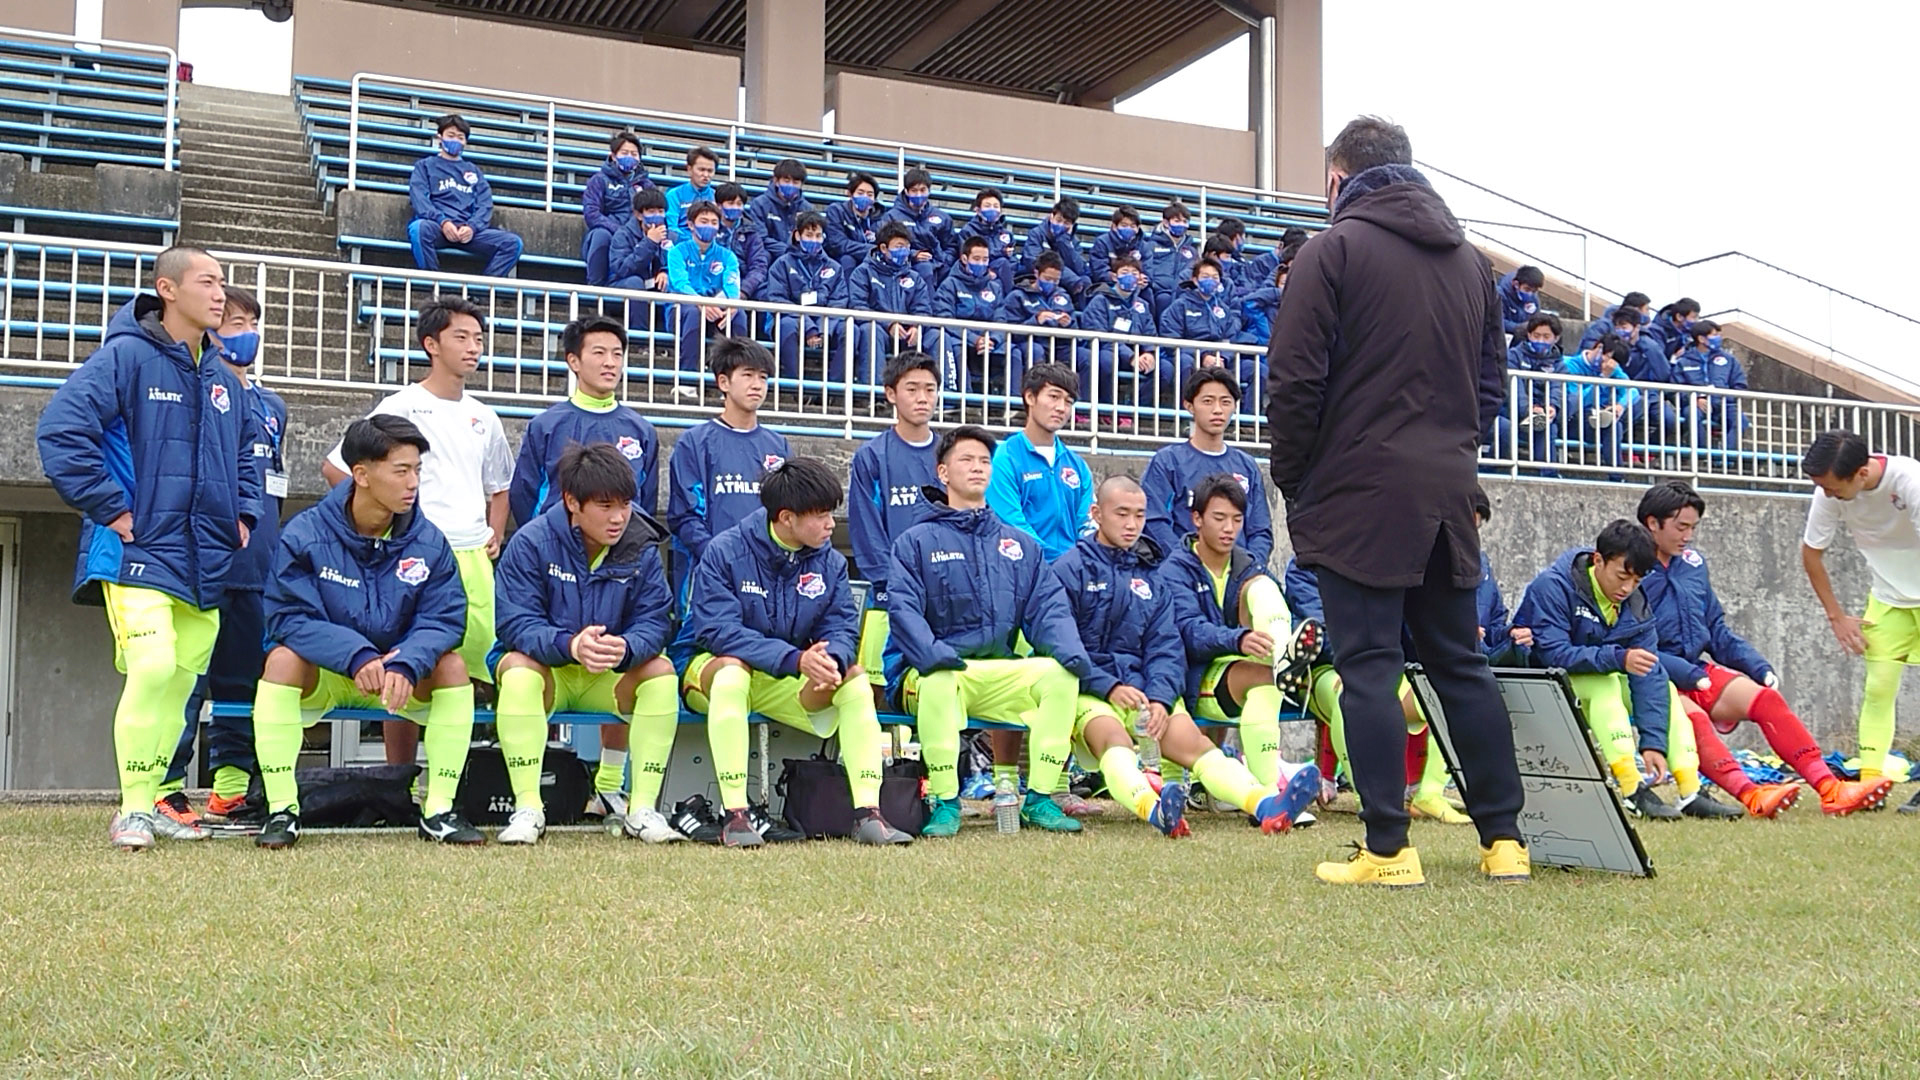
x: 1387, y: 362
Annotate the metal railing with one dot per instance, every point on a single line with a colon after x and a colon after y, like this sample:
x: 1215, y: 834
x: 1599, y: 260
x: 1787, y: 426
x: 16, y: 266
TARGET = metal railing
x: 170, y: 114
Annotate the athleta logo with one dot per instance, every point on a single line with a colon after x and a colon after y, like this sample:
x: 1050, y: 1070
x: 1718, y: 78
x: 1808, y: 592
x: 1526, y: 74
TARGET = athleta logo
x: 219, y: 396
x: 448, y: 183
x: 811, y: 586
x: 735, y: 484
x: 947, y: 556
x: 328, y: 573
x: 903, y: 495
x: 154, y: 393
x: 553, y: 570
x: 629, y: 447
x: 1096, y: 586
x: 1011, y: 549
x: 1581, y: 611
x: 412, y: 571
x: 1141, y: 588
x: 752, y: 587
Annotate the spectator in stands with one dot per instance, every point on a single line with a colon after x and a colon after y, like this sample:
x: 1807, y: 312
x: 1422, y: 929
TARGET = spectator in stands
x: 1121, y: 306
x: 778, y: 633
x: 886, y: 491
x: 595, y: 348
x: 1706, y: 363
x: 1538, y: 403
x: 583, y: 625
x: 1601, y: 415
x: 974, y: 293
x: 1634, y: 304
x: 702, y: 266
x: 852, y: 223
x: 608, y: 200
x: 453, y: 207
x: 887, y: 284
x: 1121, y: 238
x: 1520, y: 299
x: 1041, y: 299
x: 743, y: 237
x: 948, y: 661
x: 1210, y: 397
x: 1055, y: 234
x: 701, y: 165
x: 1669, y: 328
x: 1039, y: 483
x: 1244, y: 271
x: 637, y: 258
x: 1259, y: 305
x: 989, y: 223
x: 776, y: 209
x: 806, y: 276
x: 1205, y: 312
x: 935, y: 243
x: 1654, y: 414
x: 1170, y: 252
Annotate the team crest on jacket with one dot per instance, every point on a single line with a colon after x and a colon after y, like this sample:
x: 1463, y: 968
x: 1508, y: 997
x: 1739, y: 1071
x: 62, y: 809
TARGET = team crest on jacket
x: 772, y: 462
x: 1070, y: 476
x: 811, y: 586
x: 716, y: 266
x: 629, y: 447
x: 1693, y: 557
x: 272, y: 423
x: 1245, y: 485
x: 479, y: 427
x: 1011, y: 549
x: 220, y: 399
x: 827, y: 272
x: 1141, y: 588
x: 470, y: 177
x: 412, y: 571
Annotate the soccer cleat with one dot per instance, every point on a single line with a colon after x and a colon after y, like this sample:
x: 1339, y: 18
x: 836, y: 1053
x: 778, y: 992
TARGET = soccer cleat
x: 448, y: 827
x: 1041, y: 812
x: 873, y: 829
x: 607, y: 804
x: 1293, y: 665
x: 233, y: 808
x: 131, y: 832
x: 1506, y: 861
x: 1769, y: 800
x: 1435, y: 807
x: 1912, y: 806
x: 1198, y: 800
x: 1075, y: 806
x: 1305, y: 820
x: 738, y: 831
x: 646, y: 823
x: 1363, y: 867
x: 1703, y: 805
x: 1276, y: 812
x: 978, y: 786
x: 526, y: 826
x: 943, y: 817
x: 693, y: 818
x: 1169, y: 812
x: 281, y: 831
x: 169, y: 828
x: 176, y: 808
x: 1645, y: 804
x: 1844, y: 797
x: 770, y: 830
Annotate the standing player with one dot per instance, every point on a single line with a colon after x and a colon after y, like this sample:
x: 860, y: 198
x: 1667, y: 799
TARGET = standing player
x: 152, y: 442
x: 963, y: 587
x: 776, y: 628
x: 883, y: 491
x: 1211, y: 395
x: 583, y: 621
x: 1875, y: 496
x: 595, y: 348
x: 463, y: 481
x: 365, y: 609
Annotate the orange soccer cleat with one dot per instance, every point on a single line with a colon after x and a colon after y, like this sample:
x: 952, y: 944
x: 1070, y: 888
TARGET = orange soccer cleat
x: 1840, y: 797
x: 1769, y: 800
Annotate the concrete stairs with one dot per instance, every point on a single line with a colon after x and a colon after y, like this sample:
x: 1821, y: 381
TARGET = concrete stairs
x: 247, y: 177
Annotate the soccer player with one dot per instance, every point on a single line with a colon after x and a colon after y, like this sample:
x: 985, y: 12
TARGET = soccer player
x: 1039, y: 483
x: 702, y: 163
x: 1125, y: 618
x: 934, y: 240
x: 1875, y: 496
x: 365, y: 609
x: 582, y: 623
x: 151, y: 439
x: 885, y: 490
x: 964, y: 585
x: 1722, y: 679
x: 1242, y: 654
x: 775, y: 624
x: 237, y: 652
x: 1590, y: 619
x: 1211, y: 396
x: 596, y: 351
x: 463, y: 483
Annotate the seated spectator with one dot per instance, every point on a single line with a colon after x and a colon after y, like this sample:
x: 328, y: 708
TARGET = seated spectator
x: 1041, y: 300
x: 608, y: 200
x: 974, y: 292
x: 1123, y: 238
x: 851, y: 223
x: 638, y: 258
x: 989, y: 223
x: 1520, y: 299
x: 701, y: 165
x: 702, y: 266
x: 1259, y: 305
x: 807, y: 277
x: 930, y: 229
x: 1055, y: 234
x: 1669, y: 328
x: 453, y: 207
x: 1536, y: 402
x: 1600, y: 415
x: 1244, y: 271
x: 776, y: 209
x: 1705, y: 363
x: 744, y: 238
x: 1123, y: 307
x: 1204, y: 312
x: 887, y: 284
x: 1654, y: 415
x: 1634, y: 303
x: 1170, y: 251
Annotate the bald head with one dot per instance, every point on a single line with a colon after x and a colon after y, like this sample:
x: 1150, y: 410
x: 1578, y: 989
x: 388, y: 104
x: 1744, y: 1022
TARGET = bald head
x: 1116, y: 485
x: 1119, y: 511
x: 191, y: 290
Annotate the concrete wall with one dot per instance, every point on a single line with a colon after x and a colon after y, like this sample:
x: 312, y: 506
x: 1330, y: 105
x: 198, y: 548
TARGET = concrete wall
x: 46, y: 16
x: 338, y: 38
x: 64, y: 689
x: 150, y: 22
x: 969, y: 120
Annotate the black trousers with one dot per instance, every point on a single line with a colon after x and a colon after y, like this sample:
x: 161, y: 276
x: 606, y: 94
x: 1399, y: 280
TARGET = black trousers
x: 1364, y: 625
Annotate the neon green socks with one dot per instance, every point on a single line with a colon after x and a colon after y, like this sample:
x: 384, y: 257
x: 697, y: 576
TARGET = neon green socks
x: 277, y: 731
x: 1267, y: 611
x: 655, y: 721
x: 859, y: 730
x: 521, y: 722
x: 1050, y: 727
x: 448, y: 734
x: 937, y: 708
x: 1260, y: 733
x: 1876, y: 716
x: 230, y: 781
x: 611, y: 775
x: 727, y: 708
x: 1229, y: 780
x: 1120, y: 768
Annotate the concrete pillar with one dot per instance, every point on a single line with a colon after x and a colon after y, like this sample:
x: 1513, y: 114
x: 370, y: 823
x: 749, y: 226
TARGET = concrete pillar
x: 1298, y: 107
x: 149, y: 22
x: 46, y: 16
x: 786, y: 62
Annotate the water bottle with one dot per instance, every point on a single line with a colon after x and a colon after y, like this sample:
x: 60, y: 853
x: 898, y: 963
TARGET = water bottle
x: 1006, y: 805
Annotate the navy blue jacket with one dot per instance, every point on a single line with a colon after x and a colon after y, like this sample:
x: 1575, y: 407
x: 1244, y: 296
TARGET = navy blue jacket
x: 714, y: 481
x: 999, y: 237
x: 1193, y: 317
x: 340, y: 599
x: 1108, y: 305
x: 632, y: 255
x: 1208, y: 629
x: 1106, y: 247
x: 1520, y: 358
x: 1125, y: 618
x: 1168, y: 261
x: 1716, y: 368
x: 933, y: 231
x: 795, y: 274
x: 1258, y: 306
x: 546, y: 592
x: 549, y: 434
x: 608, y: 200
x: 1516, y: 309
x: 142, y: 427
x: 850, y: 236
x: 963, y: 296
x: 964, y: 586
x: 883, y: 288
x: 756, y: 601
x: 1693, y: 624
x: 252, y: 563
x: 749, y: 245
x: 1670, y: 337
x: 1569, y: 634
x: 1647, y: 362
x: 1025, y: 302
x: 776, y: 218
x: 1177, y: 469
x: 1598, y: 328
x: 1043, y: 238
x: 442, y: 190
x: 884, y: 500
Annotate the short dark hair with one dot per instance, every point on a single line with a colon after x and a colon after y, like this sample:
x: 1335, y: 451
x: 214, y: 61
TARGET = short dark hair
x: 729, y: 192
x: 437, y: 314
x: 1625, y: 316
x: 173, y: 262
x: 1175, y: 209
x: 1294, y: 235
x: 1067, y: 207
x: 574, y: 337
x: 1615, y: 346
x: 1530, y: 276
x: 904, y: 362
x: 1628, y: 538
x: 1048, y: 260
x: 891, y: 231
x: 971, y: 242
x: 699, y: 152
x: 372, y: 438
x: 914, y: 177
x: 1126, y: 213
x: 1368, y: 141
x: 1544, y: 318
x: 1682, y: 307
x: 1217, y: 244
x: 1838, y: 453
x: 963, y: 433
x: 1209, y: 260
x: 1230, y: 227
x: 596, y: 472
x: 854, y: 182
x: 1218, y: 486
x: 1123, y: 260
x: 1482, y: 506
x: 1703, y: 327
x: 1198, y: 379
x: 704, y: 206
x: 621, y: 138
x: 241, y: 300
x: 730, y: 354
x: 1041, y: 376
x: 1667, y: 498
x: 801, y: 485
x: 812, y: 219
x: 1635, y: 300
x: 454, y: 121
x: 986, y: 193
x: 649, y: 198
x: 790, y: 169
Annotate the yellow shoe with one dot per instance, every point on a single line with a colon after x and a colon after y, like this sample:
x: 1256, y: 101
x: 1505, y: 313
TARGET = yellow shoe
x: 1363, y: 867
x: 1437, y: 808
x: 1506, y: 862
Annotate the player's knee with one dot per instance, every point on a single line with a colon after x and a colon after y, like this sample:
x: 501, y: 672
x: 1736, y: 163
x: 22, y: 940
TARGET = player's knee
x: 655, y: 668
x: 450, y: 670
x: 516, y: 661
x: 284, y: 666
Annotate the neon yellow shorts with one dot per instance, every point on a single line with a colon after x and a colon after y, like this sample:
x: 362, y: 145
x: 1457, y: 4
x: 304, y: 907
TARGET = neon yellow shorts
x: 150, y: 619
x: 333, y: 690
x: 1087, y: 709
x: 871, y: 655
x: 476, y: 577
x: 1895, y: 633
x: 998, y: 690
x: 773, y: 696
x: 575, y: 689
x: 1214, y: 706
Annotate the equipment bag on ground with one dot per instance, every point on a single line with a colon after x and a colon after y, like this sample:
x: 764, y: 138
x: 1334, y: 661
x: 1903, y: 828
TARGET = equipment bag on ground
x: 486, y: 797
x: 820, y: 802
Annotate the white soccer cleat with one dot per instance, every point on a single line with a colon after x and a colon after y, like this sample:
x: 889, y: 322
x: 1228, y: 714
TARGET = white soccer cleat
x: 646, y: 823
x: 131, y: 832
x: 526, y: 826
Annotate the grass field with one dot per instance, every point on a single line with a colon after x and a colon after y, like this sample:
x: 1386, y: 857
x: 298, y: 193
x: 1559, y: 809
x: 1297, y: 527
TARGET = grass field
x: 1762, y: 949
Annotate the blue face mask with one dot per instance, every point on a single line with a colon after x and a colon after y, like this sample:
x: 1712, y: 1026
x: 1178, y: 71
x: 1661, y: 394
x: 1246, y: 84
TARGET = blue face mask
x: 1127, y: 281
x: 811, y: 247
x: 1207, y: 285
x: 1046, y: 287
x: 732, y: 213
x: 989, y: 214
x: 1125, y: 233
x: 627, y: 162
x: 453, y: 147
x: 861, y: 203
x: 1541, y: 348
x: 976, y: 269
x: 650, y: 219
x: 1686, y: 324
x: 1713, y: 341
x: 917, y: 201
x: 1059, y: 228
x: 242, y: 347
x: 898, y: 256
x: 786, y: 190
x: 1176, y: 229
x: 705, y: 233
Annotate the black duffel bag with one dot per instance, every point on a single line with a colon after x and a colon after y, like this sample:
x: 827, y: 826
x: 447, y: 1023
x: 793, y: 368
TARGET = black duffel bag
x: 486, y: 796
x: 819, y: 801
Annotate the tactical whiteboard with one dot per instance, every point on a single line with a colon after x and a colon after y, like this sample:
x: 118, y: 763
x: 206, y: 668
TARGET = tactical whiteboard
x: 1571, y: 817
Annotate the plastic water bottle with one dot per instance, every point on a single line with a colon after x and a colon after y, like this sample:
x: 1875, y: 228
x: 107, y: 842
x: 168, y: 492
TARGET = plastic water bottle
x: 1006, y: 805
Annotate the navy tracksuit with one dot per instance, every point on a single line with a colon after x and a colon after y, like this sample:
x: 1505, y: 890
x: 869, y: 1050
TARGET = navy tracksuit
x: 776, y: 218
x: 975, y: 298
x: 1568, y: 633
x: 1721, y: 415
x: 804, y: 280
x: 1176, y: 470
x: 1692, y: 624
x: 885, y: 498
x: 756, y: 601
x: 884, y: 287
x: 1125, y: 616
x: 607, y: 204
x: 1003, y: 251
x: 548, y: 591
x: 1110, y: 310
x: 1060, y: 240
x: 850, y: 235
x: 562, y: 425
x: 713, y: 484
x: 454, y: 190
x: 1024, y: 303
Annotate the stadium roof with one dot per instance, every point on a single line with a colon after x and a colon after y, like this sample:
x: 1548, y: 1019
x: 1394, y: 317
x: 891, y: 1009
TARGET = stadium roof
x: 1075, y: 51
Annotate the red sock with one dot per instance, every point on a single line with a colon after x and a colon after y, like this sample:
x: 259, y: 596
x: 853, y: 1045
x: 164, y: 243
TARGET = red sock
x: 1716, y: 761
x: 1416, y: 757
x: 1789, y: 737
x: 1327, y: 759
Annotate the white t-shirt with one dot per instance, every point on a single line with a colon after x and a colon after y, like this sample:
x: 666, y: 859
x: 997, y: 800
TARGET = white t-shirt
x: 1881, y: 522
x: 469, y: 460
x: 1046, y: 451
